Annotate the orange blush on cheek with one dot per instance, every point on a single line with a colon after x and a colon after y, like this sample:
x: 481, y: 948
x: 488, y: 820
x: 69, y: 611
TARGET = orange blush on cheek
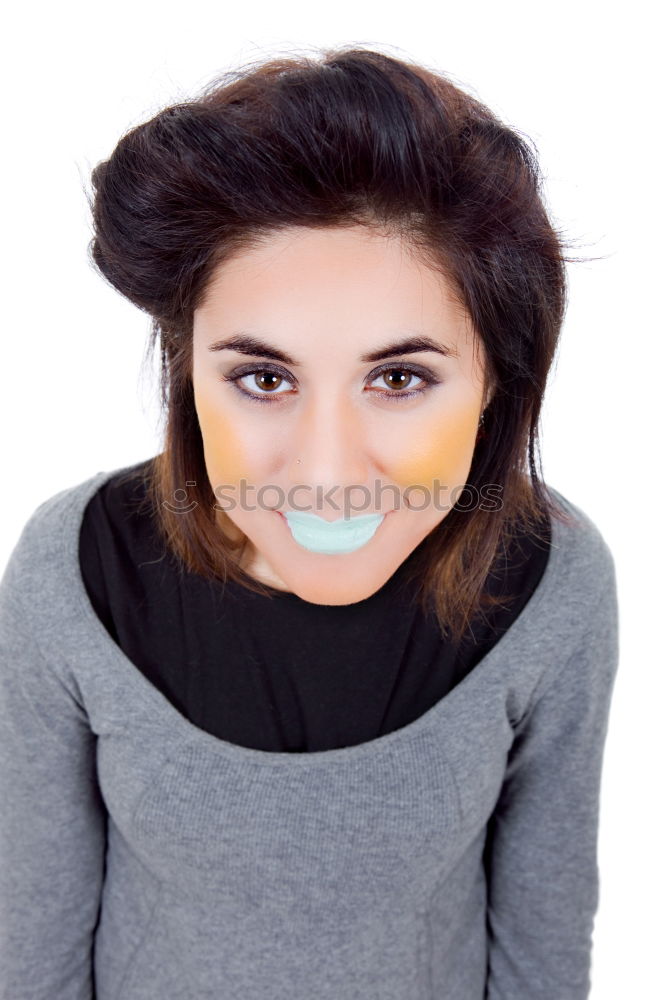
x: 224, y: 457
x: 444, y: 453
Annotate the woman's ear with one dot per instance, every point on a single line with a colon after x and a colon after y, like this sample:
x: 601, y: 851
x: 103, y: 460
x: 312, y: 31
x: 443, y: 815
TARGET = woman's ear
x: 490, y: 392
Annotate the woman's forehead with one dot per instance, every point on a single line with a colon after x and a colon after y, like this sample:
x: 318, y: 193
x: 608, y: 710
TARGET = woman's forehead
x: 313, y: 288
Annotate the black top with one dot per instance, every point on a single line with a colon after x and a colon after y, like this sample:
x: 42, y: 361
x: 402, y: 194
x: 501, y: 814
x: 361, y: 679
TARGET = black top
x: 278, y: 673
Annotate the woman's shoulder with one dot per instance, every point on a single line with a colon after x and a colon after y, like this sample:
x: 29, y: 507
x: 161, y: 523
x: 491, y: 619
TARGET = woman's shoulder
x: 49, y: 537
x: 579, y: 535
x: 580, y: 587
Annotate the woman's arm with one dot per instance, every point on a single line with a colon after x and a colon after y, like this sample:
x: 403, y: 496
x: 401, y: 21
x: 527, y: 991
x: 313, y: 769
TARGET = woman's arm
x: 52, y: 818
x: 541, y: 849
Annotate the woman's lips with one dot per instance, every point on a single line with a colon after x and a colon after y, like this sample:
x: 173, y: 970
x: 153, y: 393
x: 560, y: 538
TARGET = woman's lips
x: 337, y: 537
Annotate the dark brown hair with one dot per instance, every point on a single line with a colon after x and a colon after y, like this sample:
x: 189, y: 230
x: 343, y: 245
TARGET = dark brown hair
x: 350, y: 137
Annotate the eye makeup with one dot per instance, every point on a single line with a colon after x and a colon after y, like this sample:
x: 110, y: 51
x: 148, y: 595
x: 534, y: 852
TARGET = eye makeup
x: 427, y: 376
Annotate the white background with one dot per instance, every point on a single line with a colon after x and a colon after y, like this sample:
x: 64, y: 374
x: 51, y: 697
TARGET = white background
x: 582, y: 81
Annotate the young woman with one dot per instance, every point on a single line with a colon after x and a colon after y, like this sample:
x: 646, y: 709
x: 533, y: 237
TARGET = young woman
x: 313, y: 702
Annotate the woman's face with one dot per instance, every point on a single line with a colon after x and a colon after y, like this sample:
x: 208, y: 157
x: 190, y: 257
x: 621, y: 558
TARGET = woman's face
x: 317, y: 422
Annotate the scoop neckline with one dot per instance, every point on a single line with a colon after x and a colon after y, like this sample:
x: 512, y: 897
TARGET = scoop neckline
x: 188, y: 733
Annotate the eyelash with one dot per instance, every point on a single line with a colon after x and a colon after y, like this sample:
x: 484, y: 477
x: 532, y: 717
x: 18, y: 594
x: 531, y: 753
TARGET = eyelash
x: 268, y: 397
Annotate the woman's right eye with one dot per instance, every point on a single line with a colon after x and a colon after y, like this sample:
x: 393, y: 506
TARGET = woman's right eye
x: 270, y: 380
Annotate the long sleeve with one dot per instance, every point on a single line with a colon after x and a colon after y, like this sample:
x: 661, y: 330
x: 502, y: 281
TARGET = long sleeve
x: 541, y: 849
x: 52, y: 817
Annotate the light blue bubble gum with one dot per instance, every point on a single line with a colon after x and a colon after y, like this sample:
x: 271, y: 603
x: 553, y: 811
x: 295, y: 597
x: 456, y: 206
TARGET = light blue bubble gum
x: 332, y: 538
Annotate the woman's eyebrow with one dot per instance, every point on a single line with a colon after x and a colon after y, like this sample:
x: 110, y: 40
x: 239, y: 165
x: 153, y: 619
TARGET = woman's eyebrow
x: 247, y: 344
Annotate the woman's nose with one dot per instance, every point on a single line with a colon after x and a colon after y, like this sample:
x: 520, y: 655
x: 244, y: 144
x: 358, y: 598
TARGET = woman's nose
x: 329, y: 457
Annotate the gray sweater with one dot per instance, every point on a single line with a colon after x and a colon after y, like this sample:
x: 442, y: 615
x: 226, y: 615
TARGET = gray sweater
x: 142, y: 858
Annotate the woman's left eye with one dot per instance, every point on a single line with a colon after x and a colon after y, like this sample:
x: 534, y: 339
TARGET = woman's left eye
x: 403, y: 380
x: 395, y: 378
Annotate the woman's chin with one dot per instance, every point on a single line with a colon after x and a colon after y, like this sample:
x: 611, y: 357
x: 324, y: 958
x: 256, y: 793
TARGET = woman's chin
x: 321, y: 584
x: 322, y: 592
